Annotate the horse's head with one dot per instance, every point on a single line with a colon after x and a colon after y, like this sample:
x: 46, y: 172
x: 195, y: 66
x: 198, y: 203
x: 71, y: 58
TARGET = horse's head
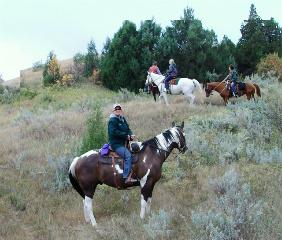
x: 180, y: 139
x: 149, y: 79
x: 208, y: 89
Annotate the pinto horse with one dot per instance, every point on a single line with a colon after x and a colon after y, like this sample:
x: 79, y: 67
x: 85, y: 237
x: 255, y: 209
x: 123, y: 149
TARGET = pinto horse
x: 86, y: 171
x: 185, y: 86
x: 224, y: 90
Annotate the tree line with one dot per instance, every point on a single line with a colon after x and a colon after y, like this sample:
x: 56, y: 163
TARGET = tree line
x: 126, y: 57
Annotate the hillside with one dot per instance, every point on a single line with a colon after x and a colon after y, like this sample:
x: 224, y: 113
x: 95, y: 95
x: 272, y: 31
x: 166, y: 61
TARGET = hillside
x: 28, y: 77
x: 227, y: 186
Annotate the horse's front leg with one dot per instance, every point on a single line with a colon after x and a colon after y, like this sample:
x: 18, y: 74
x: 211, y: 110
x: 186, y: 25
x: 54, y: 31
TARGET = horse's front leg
x: 164, y: 96
x: 147, y: 186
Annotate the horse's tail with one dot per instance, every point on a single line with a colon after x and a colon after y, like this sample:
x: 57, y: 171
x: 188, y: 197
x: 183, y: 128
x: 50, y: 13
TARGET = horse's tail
x: 73, y: 179
x: 257, y: 89
x: 199, y: 89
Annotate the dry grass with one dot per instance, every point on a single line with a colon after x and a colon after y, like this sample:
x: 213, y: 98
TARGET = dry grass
x: 30, y: 210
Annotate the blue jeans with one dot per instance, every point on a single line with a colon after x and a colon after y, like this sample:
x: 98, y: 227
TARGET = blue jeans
x: 166, y: 81
x: 124, y: 153
x: 233, y: 87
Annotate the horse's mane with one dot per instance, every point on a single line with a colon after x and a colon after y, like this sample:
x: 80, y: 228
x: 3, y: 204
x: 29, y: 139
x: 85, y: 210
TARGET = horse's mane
x: 160, y: 141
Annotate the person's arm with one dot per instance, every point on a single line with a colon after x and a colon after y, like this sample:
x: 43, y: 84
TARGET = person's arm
x: 227, y: 77
x: 129, y: 130
x: 158, y: 71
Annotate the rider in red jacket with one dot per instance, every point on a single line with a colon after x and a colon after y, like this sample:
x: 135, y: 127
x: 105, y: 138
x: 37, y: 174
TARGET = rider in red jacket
x: 154, y: 68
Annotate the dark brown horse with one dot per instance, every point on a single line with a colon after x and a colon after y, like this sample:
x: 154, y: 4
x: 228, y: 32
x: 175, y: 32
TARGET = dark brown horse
x: 224, y: 90
x: 155, y: 90
x: 87, y: 171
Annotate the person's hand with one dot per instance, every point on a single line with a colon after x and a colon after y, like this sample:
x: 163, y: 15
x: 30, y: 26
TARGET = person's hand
x: 132, y: 137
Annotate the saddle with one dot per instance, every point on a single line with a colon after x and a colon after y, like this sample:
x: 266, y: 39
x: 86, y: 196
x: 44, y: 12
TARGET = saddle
x: 113, y: 158
x: 240, y: 86
x: 174, y: 81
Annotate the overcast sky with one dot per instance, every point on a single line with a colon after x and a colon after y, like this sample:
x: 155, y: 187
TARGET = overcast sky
x: 30, y: 29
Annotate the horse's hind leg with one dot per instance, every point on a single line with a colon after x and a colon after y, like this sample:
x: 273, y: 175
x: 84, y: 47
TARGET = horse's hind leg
x: 191, y: 96
x: 86, y: 215
x: 88, y: 206
x: 88, y: 211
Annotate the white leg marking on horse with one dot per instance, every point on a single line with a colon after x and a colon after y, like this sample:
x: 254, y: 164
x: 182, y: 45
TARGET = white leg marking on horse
x: 86, y: 216
x: 144, y: 179
x: 148, y: 207
x: 89, y: 209
x: 144, y: 160
x: 143, y: 207
x: 120, y: 171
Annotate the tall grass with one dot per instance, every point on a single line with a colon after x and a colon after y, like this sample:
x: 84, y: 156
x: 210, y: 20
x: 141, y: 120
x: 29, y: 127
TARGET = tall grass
x: 40, y: 137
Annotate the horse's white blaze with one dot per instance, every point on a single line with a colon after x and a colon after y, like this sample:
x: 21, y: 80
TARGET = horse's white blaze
x: 119, y: 170
x: 143, y: 180
x: 143, y: 207
x: 89, y: 210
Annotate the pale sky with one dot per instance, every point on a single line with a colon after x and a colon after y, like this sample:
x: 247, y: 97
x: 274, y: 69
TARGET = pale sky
x: 30, y: 29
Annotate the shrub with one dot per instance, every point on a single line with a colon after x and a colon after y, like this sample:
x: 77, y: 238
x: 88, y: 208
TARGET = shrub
x: 27, y: 93
x: 158, y: 225
x: 67, y: 80
x: 56, y: 175
x: 271, y: 63
x: 51, y: 73
x: 233, y: 213
x: 8, y: 96
x: 95, y: 134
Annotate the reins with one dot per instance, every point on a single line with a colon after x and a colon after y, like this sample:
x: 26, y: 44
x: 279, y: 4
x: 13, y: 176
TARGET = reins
x: 218, y: 85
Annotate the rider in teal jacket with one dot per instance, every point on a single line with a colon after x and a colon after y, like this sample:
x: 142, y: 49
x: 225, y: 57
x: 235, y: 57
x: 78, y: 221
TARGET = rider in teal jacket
x: 119, y: 133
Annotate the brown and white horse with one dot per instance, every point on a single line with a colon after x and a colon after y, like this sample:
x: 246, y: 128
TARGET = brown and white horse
x: 86, y: 171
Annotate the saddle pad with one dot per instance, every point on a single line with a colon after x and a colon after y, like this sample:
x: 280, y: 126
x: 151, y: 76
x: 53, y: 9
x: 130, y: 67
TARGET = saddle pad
x: 241, y: 86
x: 118, y: 160
x: 174, y: 81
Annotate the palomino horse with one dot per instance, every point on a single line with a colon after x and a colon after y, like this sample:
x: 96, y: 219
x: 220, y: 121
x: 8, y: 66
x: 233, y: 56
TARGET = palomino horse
x: 185, y: 86
x: 86, y: 171
x: 224, y: 90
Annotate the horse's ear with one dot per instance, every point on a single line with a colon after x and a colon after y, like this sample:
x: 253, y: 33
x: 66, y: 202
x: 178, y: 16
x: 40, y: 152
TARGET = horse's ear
x: 182, y: 125
x: 173, y: 124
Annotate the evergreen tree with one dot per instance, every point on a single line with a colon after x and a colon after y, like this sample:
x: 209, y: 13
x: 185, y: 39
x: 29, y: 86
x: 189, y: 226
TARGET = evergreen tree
x: 226, y: 51
x: 259, y: 38
x: 91, y: 59
x: 192, y: 47
x: 149, y: 36
x: 120, y: 67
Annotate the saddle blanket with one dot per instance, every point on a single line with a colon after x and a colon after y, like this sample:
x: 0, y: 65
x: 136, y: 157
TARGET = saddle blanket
x: 118, y: 160
x: 174, y: 81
